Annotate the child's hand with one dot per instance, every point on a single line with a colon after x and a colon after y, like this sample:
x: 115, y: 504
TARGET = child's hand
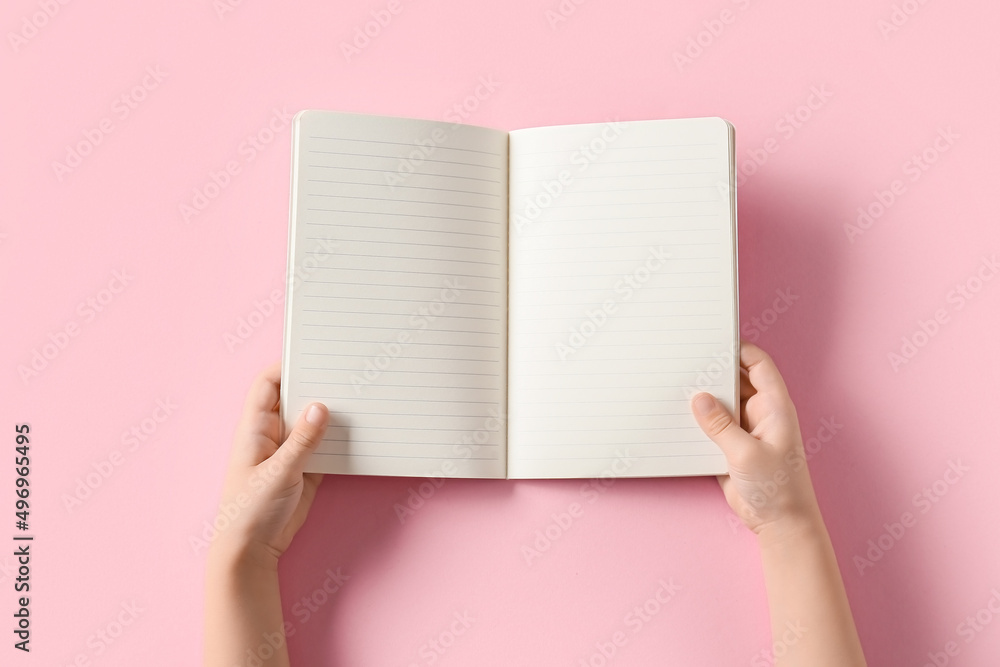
x: 265, y: 486
x: 768, y: 485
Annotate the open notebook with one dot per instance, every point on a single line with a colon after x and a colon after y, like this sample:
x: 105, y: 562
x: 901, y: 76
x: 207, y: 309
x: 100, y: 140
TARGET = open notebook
x: 542, y: 303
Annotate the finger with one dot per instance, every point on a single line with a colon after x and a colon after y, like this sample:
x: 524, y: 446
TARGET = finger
x: 312, y: 480
x: 763, y: 374
x: 719, y: 425
x: 310, y: 484
x: 291, y: 457
x: 259, y: 428
x: 746, y: 387
x: 746, y: 393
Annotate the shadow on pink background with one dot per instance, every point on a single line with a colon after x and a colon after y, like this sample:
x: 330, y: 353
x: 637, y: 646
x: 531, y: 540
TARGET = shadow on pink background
x: 117, y: 517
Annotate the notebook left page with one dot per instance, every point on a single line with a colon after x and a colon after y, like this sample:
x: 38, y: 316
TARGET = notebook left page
x: 396, y: 302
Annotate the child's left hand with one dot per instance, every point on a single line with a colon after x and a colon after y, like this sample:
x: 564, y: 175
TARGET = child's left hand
x: 266, y: 495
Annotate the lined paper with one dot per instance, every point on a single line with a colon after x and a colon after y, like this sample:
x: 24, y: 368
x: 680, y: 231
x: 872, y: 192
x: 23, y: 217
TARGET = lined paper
x: 622, y: 296
x: 400, y: 329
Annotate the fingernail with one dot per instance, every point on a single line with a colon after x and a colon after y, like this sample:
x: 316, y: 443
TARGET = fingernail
x: 315, y: 415
x: 703, y: 403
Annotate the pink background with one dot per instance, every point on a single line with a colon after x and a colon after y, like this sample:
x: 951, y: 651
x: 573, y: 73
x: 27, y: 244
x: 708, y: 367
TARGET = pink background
x: 163, y: 335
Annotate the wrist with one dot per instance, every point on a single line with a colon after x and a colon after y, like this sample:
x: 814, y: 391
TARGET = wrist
x: 794, y: 528
x: 239, y: 558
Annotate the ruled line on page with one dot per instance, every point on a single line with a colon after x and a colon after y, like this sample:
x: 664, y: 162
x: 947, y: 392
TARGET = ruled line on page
x: 402, y: 330
x: 599, y: 279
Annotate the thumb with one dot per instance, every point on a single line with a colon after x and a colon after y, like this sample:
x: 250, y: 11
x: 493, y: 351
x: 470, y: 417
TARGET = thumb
x: 719, y: 425
x: 302, y: 441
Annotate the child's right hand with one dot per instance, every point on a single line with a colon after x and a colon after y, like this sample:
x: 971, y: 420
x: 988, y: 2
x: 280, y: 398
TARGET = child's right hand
x: 768, y: 485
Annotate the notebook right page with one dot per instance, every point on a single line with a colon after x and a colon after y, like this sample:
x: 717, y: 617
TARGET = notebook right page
x: 623, y: 296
